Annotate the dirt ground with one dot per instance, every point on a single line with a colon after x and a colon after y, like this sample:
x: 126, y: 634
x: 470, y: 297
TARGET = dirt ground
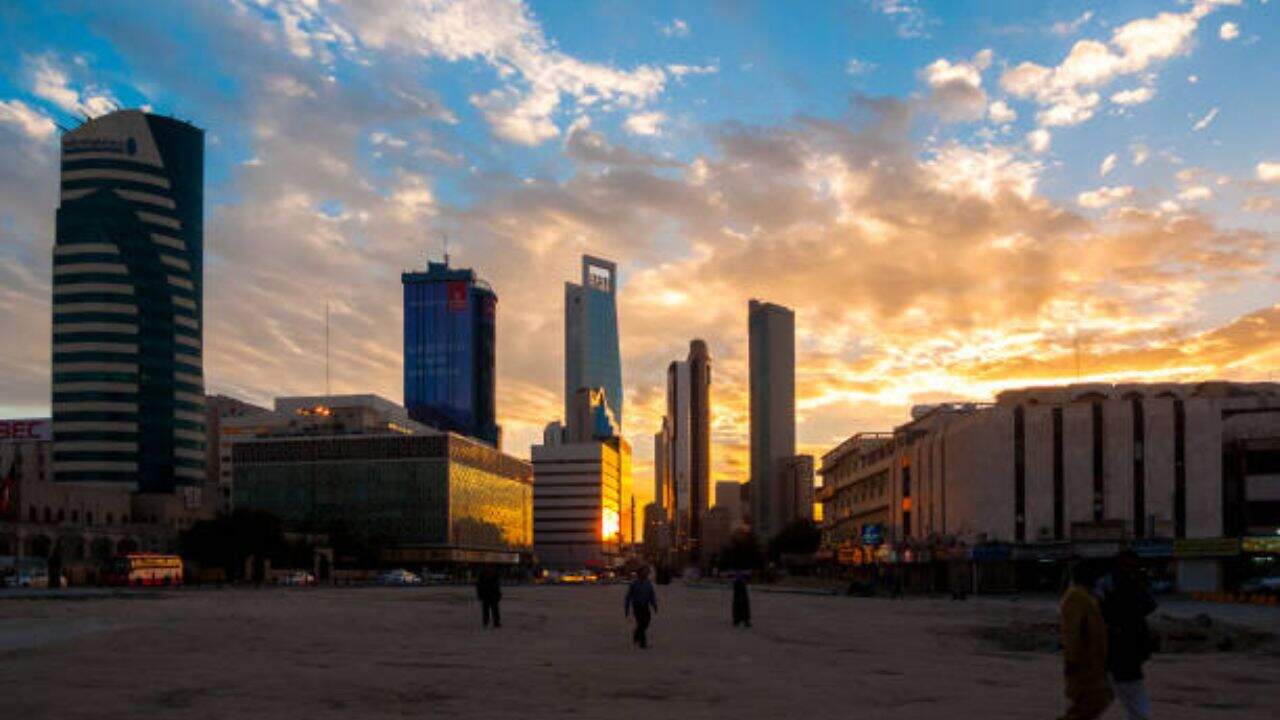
x: 420, y: 652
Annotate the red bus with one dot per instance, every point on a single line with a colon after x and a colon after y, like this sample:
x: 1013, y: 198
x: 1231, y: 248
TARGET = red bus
x: 144, y: 569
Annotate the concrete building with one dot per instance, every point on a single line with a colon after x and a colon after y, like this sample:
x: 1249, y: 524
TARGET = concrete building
x: 128, y: 378
x: 795, y: 488
x: 232, y: 420
x: 729, y: 497
x: 76, y: 527
x: 1183, y: 472
x: 219, y: 409
x: 592, y: 358
x: 414, y: 499
x: 855, y: 488
x: 717, y: 529
x: 450, y: 346
x: 772, y: 368
x: 582, y: 500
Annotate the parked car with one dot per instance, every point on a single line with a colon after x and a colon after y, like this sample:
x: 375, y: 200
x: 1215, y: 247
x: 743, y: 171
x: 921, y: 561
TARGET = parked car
x: 1263, y: 585
x: 438, y: 578
x: 297, y: 578
x: 400, y: 577
x: 32, y: 579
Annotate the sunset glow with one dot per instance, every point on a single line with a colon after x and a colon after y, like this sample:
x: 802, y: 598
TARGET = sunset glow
x: 954, y: 204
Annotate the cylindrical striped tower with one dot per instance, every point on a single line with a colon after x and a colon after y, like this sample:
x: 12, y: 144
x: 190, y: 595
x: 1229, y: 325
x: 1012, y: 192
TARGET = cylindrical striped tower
x: 128, y: 380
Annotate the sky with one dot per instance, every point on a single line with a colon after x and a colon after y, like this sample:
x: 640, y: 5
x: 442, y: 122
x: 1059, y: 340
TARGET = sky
x: 955, y: 197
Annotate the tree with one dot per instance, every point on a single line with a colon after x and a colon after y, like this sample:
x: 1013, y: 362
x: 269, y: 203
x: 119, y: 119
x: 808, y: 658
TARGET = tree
x: 229, y: 540
x: 800, y: 537
x: 741, y: 553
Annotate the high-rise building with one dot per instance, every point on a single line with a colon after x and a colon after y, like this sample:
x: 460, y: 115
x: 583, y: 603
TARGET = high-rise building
x: 772, y: 361
x: 591, y: 355
x: 662, y: 495
x: 688, y: 444
x: 128, y: 379
x: 449, y: 351
x: 699, y: 364
x: 729, y: 497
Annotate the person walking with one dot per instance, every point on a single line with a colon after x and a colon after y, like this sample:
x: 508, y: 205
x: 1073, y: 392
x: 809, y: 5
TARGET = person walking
x: 741, y: 601
x: 641, y: 600
x: 1084, y: 646
x: 1125, y: 609
x: 489, y: 591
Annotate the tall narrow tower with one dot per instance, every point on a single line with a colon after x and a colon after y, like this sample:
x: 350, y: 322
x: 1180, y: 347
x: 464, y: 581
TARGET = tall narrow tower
x: 772, y: 361
x: 128, y: 301
x: 592, y: 358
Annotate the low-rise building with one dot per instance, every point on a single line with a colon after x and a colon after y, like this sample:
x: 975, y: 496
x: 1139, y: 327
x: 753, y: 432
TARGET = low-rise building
x: 1051, y: 473
x: 78, y: 525
x: 435, y: 500
x: 581, y: 498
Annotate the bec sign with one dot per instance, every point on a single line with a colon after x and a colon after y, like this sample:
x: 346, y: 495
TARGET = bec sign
x: 26, y: 429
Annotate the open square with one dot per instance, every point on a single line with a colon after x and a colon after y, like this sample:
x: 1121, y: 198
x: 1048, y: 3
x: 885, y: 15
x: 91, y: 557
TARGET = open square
x: 421, y: 652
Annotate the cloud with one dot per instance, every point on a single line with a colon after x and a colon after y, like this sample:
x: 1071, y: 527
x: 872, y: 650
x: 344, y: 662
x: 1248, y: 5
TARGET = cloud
x: 1195, y: 193
x: 1104, y: 196
x: 1069, y: 28
x: 679, y: 71
x: 908, y: 18
x: 1139, y: 154
x: 504, y: 34
x: 1108, y: 164
x: 856, y: 67
x: 1134, y: 96
x: 676, y: 28
x: 1000, y: 112
x: 31, y: 122
x: 1067, y: 92
x: 1038, y: 140
x: 1229, y: 31
x: 50, y: 82
x: 1268, y: 171
x: 1205, y: 121
x: 955, y: 89
x: 646, y: 123
x: 919, y: 270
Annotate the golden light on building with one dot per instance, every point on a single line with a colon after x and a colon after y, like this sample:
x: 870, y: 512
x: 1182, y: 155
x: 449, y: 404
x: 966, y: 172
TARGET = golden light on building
x: 610, y: 524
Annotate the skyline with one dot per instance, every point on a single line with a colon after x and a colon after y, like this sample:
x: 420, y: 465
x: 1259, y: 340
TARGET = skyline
x: 880, y: 194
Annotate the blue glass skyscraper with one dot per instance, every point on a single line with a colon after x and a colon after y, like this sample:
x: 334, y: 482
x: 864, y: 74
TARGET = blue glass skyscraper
x: 449, y: 350
x: 591, y: 355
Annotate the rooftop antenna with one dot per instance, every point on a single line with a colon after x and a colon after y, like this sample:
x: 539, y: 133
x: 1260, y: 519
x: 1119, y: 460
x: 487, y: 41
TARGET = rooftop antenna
x: 327, y: 392
x: 446, y: 250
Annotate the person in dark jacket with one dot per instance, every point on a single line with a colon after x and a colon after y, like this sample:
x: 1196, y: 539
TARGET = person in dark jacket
x: 489, y: 591
x: 741, y: 602
x: 1125, y: 609
x: 641, y: 600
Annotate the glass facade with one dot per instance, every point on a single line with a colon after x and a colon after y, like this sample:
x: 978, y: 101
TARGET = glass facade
x: 592, y: 354
x: 128, y: 381
x: 439, y: 491
x: 449, y: 351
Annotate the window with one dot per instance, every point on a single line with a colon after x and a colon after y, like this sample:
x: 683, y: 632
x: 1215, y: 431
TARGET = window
x: 75, y: 516
x: 33, y: 515
x: 48, y: 514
